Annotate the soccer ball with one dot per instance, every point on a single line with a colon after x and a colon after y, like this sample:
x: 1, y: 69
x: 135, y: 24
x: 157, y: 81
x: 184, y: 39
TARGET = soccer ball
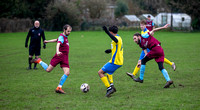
x: 85, y: 87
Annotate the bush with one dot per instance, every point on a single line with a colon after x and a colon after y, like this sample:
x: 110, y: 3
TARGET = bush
x: 15, y: 25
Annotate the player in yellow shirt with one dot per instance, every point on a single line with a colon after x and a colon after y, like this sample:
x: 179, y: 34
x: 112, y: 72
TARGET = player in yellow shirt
x: 116, y: 60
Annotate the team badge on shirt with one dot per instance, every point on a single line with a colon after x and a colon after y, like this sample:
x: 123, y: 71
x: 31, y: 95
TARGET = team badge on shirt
x: 38, y: 34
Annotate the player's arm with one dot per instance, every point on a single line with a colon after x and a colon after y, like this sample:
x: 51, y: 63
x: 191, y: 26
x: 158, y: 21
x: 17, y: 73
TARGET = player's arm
x: 52, y: 40
x: 27, y: 38
x: 141, y: 57
x: 57, y: 49
x: 60, y: 41
x: 157, y: 29
x: 153, y: 25
x: 43, y: 38
x: 109, y: 34
x: 145, y: 51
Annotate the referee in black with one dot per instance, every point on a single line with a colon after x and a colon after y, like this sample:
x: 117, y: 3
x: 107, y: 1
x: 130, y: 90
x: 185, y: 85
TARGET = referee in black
x: 35, y: 43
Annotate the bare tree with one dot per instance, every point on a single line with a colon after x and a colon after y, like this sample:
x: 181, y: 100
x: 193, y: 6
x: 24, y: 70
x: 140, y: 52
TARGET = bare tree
x: 61, y: 12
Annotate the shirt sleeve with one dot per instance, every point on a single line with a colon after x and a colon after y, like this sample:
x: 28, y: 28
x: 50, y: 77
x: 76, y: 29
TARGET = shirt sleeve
x: 153, y: 24
x: 43, y: 35
x: 60, y: 39
x: 27, y: 38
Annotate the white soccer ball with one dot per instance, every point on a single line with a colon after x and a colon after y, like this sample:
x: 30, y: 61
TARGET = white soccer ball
x: 85, y: 87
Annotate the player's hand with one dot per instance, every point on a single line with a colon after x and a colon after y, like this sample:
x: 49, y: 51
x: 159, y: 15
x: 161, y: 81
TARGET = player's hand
x: 45, y: 41
x: 59, y: 53
x: 44, y: 46
x: 152, y: 33
x: 139, y: 63
x: 104, y: 28
x: 108, y: 51
x: 166, y: 26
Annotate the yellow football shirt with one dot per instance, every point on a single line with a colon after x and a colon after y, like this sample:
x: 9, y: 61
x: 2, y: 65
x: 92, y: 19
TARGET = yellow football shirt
x: 117, y: 52
x: 144, y: 33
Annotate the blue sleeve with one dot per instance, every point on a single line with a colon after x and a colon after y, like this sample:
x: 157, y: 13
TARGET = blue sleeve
x: 142, y: 55
x: 153, y: 24
x: 61, y: 39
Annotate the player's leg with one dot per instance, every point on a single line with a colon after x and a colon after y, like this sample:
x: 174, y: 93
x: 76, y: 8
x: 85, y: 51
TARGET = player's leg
x: 62, y: 80
x: 110, y: 78
x: 110, y: 69
x: 37, y: 54
x: 29, y: 62
x: 137, y: 68
x: 165, y: 74
x: 104, y: 79
x: 132, y: 75
x: 170, y: 63
x: 142, y: 69
x: 35, y: 64
x: 31, y: 53
x: 43, y: 64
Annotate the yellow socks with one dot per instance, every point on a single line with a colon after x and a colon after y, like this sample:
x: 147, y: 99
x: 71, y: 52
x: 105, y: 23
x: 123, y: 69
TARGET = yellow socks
x: 167, y: 61
x: 105, y: 81
x: 136, y: 70
x: 110, y: 78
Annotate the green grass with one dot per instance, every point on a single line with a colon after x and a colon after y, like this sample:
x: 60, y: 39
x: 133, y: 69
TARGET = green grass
x: 34, y: 89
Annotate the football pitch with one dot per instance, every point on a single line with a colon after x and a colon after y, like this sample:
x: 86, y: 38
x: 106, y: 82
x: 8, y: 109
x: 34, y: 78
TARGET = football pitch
x: 35, y: 89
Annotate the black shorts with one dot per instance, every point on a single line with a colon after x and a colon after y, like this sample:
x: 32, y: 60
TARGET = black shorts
x: 34, y: 51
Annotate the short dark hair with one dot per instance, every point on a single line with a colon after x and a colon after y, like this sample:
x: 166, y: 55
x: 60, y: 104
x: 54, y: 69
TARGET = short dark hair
x: 148, y: 16
x: 143, y: 22
x: 113, y: 29
x: 137, y: 34
x: 66, y: 26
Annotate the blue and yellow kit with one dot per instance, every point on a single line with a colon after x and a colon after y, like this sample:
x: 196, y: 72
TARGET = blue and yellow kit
x: 117, y: 51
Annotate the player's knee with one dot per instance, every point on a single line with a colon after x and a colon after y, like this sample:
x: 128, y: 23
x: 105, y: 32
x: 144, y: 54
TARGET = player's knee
x: 100, y: 72
x: 67, y: 73
x: 48, y: 70
x: 160, y: 65
x: 160, y: 68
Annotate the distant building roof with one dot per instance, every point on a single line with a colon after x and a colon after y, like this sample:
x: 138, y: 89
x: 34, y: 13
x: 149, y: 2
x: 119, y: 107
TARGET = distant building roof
x: 132, y: 18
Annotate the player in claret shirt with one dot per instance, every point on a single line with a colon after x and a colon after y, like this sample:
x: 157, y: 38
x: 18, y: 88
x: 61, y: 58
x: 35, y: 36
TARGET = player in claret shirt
x: 61, y: 56
x: 156, y: 52
x: 150, y: 25
x: 145, y: 31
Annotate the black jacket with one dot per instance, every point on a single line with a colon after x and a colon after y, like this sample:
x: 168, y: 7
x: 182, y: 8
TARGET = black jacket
x: 35, y: 34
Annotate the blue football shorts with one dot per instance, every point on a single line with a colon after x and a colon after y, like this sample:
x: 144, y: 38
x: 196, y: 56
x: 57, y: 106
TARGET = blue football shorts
x: 110, y: 68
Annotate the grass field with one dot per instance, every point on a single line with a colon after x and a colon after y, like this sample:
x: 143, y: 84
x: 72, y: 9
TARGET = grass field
x: 34, y: 89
